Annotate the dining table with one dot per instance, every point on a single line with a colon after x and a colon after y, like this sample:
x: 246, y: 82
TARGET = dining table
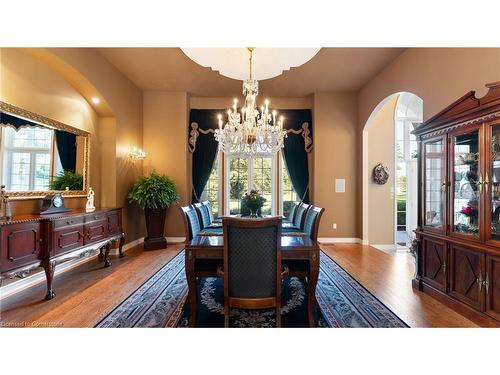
x: 301, y: 248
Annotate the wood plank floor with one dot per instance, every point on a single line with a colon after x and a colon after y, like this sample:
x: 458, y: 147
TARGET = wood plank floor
x: 388, y: 277
x: 87, y: 293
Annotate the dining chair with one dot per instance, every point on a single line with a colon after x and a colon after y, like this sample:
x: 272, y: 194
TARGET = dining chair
x: 203, y: 215
x: 300, y: 268
x: 252, y: 267
x: 298, y: 220
x: 293, y: 210
x: 192, y: 227
x: 208, y: 207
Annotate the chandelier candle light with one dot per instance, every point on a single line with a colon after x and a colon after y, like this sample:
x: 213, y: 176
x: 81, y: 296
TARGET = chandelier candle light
x: 250, y: 131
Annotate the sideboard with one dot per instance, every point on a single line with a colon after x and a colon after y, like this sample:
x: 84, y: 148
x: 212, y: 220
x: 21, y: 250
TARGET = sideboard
x: 31, y: 241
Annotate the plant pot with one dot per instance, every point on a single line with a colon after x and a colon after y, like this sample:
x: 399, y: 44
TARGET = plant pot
x: 155, y: 226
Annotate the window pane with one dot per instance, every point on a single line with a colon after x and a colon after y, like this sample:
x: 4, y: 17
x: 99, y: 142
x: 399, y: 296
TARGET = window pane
x: 262, y: 181
x: 20, y: 171
x: 238, y: 183
x: 42, y: 171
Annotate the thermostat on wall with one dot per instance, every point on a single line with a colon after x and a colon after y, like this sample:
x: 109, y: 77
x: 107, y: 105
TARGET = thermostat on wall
x: 340, y: 185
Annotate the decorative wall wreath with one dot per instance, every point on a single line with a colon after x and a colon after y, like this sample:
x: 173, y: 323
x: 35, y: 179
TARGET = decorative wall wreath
x: 380, y: 174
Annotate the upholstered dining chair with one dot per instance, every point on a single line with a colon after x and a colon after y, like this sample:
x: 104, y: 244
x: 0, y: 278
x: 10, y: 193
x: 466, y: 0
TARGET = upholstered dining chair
x: 192, y: 227
x: 300, y: 268
x: 293, y: 210
x: 252, y: 265
x: 298, y: 220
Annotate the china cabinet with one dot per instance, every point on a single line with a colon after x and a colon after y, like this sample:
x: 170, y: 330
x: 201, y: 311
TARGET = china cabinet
x: 458, y: 236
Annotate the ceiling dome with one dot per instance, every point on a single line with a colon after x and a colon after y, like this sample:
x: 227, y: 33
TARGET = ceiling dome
x: 267, y: 62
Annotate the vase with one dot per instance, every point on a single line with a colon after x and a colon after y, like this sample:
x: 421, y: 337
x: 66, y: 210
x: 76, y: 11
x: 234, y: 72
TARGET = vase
x: 253, y: 212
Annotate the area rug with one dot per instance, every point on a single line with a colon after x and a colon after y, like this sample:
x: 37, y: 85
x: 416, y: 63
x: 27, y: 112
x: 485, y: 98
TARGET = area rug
x: 343, y: 302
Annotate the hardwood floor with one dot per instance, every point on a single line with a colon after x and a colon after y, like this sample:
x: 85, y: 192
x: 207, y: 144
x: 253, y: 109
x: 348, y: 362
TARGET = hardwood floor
x: 388, y: 277
x: 89, y: 292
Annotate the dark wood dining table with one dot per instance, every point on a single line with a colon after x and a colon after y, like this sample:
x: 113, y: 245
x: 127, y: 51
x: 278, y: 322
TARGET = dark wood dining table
x: 292, y: 247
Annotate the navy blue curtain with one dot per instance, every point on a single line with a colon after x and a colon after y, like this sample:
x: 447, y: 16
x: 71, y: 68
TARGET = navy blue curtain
x: 205, y: 149
x: 17, y: 122
x: 294, y: 150
x: 66, y: 147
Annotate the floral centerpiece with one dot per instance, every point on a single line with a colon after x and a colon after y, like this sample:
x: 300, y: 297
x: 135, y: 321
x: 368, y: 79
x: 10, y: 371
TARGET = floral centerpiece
x: 253, y: 201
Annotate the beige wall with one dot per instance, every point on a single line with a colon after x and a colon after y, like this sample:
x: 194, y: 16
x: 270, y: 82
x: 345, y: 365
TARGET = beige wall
x: 379, y: 137
x: 165, y: 141
x: 28, y: 84
x: 58, y: 82
x: 437, y: 75
x: 92, y: 75
x: 335, y: 157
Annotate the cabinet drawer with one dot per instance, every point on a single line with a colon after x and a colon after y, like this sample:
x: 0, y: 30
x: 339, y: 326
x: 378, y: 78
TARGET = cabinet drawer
x: 96, y: 216
x: 95, y: 231
x: 61, y: 223
x: 20, y: 245
x: 114, y: 222
x: 67, y: 239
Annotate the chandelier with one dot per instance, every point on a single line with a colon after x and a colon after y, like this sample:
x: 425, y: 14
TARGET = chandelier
x: 250, y: 131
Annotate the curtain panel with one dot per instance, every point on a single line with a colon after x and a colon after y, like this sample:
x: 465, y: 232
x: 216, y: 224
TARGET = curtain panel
x: 66, y: 147
x: 203, y: 146
x: 297, y: 145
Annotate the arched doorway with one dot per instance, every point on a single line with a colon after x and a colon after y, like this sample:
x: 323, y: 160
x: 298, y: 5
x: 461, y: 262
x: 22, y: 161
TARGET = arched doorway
x: 390, y: 210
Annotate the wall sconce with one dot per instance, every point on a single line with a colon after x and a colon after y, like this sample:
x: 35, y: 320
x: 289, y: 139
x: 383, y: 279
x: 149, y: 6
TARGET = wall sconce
x: 137, y: 153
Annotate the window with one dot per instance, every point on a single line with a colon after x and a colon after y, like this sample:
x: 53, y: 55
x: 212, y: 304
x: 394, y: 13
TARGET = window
x: 211, y: 192
x: 241, y: 174
x: 26, y: 158
x: 289, y: 196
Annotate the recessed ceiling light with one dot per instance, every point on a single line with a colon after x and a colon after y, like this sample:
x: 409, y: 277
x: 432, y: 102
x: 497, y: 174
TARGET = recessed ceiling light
x: 95, y: 100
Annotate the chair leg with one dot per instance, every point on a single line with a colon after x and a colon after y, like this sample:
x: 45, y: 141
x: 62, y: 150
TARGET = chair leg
x: 226, y: 316
x: 278, y: 316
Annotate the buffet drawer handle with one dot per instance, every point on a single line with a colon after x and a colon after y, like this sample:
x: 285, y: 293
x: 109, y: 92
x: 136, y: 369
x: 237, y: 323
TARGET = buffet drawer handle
x: 69, y: 222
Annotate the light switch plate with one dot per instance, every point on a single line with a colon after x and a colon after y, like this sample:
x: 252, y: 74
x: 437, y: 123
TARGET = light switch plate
x: 340, y: 185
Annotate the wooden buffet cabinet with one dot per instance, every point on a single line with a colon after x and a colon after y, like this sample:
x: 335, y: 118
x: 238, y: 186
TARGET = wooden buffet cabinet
x: 31, y: 241
x: 457, y: 242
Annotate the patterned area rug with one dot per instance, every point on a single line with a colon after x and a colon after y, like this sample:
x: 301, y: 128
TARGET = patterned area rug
x: 343, y: 302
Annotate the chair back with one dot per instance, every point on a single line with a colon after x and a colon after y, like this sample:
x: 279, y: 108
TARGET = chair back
x: 252, y: 262
x: 298, y: 220
x: 311, y: 222
x: 208, y: 206
x: 191, y: 221
x: 293, y: 210
x: 203, y: 215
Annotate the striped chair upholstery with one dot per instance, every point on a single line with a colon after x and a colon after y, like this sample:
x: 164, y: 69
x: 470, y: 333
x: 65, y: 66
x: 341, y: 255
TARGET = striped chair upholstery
x: 291, y: 214
x: 205, y: 216
x: 194, y: 222
x: 312, y: 217
x: 209, y: 209
x: 301, y: 210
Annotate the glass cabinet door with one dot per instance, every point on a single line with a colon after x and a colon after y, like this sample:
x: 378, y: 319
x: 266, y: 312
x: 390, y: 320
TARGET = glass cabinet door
x: 466, y: 182
x: 492, y: 182
x: 435, y: 183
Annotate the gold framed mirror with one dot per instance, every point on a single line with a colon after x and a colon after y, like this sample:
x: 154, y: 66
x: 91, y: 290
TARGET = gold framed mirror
x: 40, y: 156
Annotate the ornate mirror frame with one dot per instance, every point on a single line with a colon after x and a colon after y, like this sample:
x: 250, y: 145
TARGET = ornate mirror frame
x: 54, y: 124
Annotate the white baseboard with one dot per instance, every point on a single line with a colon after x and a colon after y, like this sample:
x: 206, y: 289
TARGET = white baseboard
x: 128, y: 246
x: 328, y: 240
x: 39, y: 277
x: 176, y: 239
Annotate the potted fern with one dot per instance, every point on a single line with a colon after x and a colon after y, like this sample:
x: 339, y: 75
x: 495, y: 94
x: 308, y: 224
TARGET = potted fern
x: 154, y: 194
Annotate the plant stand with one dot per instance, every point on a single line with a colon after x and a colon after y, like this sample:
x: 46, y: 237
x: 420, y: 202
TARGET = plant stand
x: 155, y: 226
